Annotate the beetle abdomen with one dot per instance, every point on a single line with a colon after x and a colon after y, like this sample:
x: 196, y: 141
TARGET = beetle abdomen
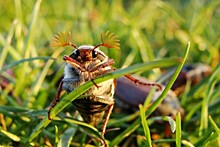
x: 92, y: 109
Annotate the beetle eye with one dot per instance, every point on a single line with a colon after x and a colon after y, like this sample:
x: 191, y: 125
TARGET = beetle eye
x: 75, y: 54
x: 94, y: 54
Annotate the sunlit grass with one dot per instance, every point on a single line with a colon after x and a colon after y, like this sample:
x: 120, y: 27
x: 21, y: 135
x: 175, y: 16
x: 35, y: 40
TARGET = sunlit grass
x: 152, y: 34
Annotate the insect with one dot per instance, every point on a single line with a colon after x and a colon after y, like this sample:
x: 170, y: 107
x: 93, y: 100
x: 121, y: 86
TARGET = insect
x: 86, y: 63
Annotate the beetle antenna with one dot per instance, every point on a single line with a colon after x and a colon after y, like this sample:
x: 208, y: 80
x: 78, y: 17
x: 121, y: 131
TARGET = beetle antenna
x: 62, y: 40
x: 109, y: 41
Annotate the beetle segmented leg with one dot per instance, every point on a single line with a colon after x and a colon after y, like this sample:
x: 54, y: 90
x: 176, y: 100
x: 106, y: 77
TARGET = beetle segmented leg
x: 109, y: 62
x: 96, y: 85
x: 90, y: 77
x: 106, y: 120
x: 102, y: 65
x: 75, y: 63
x: 136, y: 81
x: 56, y: 99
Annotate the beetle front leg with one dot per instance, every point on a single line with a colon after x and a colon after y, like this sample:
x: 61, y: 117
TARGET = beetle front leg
x: 106, y: 120
x: 103, y: 64
x: 56, y: 99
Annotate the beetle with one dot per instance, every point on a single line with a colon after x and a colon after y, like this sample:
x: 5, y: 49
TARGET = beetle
x: 86, y: 63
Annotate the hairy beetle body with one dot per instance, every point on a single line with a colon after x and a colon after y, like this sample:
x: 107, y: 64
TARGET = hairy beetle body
x: 84, y: 64
x: 96, y: 100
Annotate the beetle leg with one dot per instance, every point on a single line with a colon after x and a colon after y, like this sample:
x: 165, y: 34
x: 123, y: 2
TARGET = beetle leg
x: 103, y: 64
x: 136, y: 81
x: 106, y: 120
x: 96, y: 85
x: 56, y: 99
x: 74, y: 63
x: 90, y: 77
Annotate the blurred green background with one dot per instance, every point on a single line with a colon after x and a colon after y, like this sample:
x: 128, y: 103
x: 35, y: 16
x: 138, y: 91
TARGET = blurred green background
x: 148, y: 30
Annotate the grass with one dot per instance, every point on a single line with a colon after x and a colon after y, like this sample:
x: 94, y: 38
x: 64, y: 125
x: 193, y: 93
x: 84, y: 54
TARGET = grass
x: 153, y: 35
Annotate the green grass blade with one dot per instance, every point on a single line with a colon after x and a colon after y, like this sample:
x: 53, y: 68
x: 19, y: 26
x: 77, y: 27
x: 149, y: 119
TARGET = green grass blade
x: 7, y: 43
x: 32, y: 24
x: 7, y: 113
x: 92, y: 131
x: 146, y: 53
x: 24, y: 60
x: 127, y: 118
x: 211, y: 140
x: 149, y: 97
x: 135, y: 125
x: 44, y: 72
x: 203, y: 139
x: 80, y: 90
x: 145, y: 126
x: 27, y: 48
x: 163, y: 141
x: 214, y: 125
x: 187, y: 143
x: 38, y: 129
x: 66, y: 137
x: 10, y: 135
x: 209, y: 91
x: 56, y: 135
x: 170, y: 83
x: 13, y: 109
x: 178, y: 130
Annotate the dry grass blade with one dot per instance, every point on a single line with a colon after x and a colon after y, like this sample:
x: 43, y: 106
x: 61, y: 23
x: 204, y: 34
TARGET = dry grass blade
x: 62, y: 40
x: 110, y: 40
